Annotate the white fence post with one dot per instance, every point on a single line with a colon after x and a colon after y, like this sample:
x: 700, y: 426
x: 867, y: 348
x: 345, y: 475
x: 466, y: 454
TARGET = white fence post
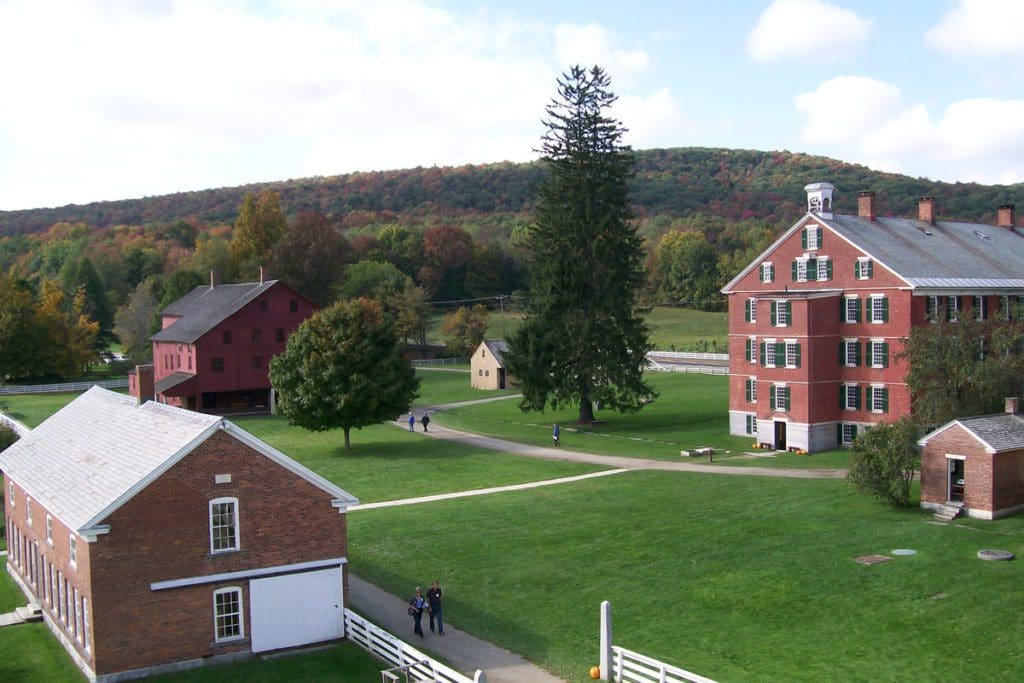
x: 480, y: 677
x: 606, y: 641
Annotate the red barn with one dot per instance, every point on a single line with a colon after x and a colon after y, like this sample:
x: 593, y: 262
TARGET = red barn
x: 818, y: 320
x: 213, y: 353
x: 154, y: 538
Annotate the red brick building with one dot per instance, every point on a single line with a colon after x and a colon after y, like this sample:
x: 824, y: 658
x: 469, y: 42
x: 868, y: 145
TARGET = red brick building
x: 213, y: 352
x: 977, y: 464
x: 817, y: 321
x: 154, y: 537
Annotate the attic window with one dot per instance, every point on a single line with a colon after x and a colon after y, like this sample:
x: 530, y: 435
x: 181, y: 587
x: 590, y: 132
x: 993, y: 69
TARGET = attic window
x: 982, y: 235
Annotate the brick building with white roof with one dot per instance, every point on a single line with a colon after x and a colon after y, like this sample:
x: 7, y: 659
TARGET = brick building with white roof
x: 817, y: 322
x: 154, y: 537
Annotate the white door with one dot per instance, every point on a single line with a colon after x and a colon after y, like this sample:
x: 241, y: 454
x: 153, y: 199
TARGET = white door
x: 295, y: 609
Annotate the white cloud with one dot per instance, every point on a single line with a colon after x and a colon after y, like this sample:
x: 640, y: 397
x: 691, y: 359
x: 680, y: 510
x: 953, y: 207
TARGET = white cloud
x: 806, y: 29
x: 846, y: 107
x: 653, y: 119
x: 980, y: 28
x: 973, y: 139
x: 113, y: 100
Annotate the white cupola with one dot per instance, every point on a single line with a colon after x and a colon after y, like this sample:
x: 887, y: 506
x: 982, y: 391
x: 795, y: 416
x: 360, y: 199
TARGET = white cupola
x: 819, y: 199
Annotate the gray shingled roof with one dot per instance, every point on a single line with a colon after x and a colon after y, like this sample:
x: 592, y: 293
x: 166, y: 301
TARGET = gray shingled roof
x: 205, y: 307
x: 943, y: 254
x: 98, y: 451
x: 172, y: 380
x: 498, y: 347
x: 1001, y: 432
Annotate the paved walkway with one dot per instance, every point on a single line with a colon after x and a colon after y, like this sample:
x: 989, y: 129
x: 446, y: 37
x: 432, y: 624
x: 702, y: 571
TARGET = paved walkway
x: 465, y: 652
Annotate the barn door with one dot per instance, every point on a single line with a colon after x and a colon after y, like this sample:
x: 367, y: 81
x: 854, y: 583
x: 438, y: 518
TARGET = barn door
x: 296, y: 609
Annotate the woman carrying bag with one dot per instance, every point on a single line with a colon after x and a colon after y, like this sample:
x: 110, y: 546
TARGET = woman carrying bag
x: 416, y: 607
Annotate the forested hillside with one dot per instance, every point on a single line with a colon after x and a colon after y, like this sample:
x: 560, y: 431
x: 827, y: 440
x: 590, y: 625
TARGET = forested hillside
x: 673, y: 182
x: 77, y: 278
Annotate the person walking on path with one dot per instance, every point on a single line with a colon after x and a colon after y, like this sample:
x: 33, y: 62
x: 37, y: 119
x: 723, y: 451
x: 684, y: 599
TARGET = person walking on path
x: 555, y: 433
x: 434, y: 607
x: 425, y: 420
x: 412, y: 422
x: 416, y: 606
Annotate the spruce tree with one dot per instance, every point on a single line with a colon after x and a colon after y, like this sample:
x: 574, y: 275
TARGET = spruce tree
x: 583, y: 339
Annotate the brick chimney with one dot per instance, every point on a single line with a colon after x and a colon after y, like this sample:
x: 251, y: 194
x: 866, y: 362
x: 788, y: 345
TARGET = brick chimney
x: 1006, y: 216
x: 926, y: 210
x: 141, y: 383
x: 1012, y: 405
x: 866, y: 205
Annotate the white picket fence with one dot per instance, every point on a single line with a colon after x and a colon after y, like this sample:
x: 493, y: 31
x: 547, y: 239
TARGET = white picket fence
x: 393, y: 650
x: 686, y: 355
x: 626, y: 666
x: 11, y: 389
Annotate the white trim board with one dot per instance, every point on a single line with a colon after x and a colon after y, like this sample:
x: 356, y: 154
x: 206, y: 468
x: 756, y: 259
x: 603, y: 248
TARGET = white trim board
x: 247, y: 574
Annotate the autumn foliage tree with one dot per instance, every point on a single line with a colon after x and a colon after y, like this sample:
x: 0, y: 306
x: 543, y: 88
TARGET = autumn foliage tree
x: 342, y: 369
x: 260, y: 225
x: 464, y: 329
x: 583, y: 339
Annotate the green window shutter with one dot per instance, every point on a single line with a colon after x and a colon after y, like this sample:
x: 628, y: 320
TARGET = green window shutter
x: 856, y: 398
x: 868, y: 355
x: 789, y: 312
x: 885, y: 401
x: 842, y: 354
x: 748, y: 390
x: 746, y: 349
x: 785, y: 400
x: 856, y: 269
x: 853, y: 433
x: 839, y: 433
x: 798, y: 355
x: 746, y: 311
x: 842, y: 397
x: 763, y: 355
x: 885, y: 355
x: 771, y: 396
x: 794, y: 270
x: 869, y: 398
x: 774, y: 313
x: 812, y: 269
x: 780, y: 354
x: 885, y: 309
x: 821, y: 237
x: 856, y: 354
x: 871, y: 267
x: 856, y: 312
x: 828, y: 269
x: 803, y: 238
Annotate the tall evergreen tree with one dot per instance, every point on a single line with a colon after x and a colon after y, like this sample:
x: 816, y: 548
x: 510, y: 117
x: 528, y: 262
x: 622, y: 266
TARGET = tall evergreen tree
x: 96, y: 306
x: 583, y: 339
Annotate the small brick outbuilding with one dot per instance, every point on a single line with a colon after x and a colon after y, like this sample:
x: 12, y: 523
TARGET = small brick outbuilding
x: 976, y: 463
x: 153, y: 537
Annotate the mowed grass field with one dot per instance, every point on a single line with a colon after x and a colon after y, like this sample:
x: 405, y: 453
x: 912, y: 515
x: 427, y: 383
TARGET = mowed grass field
x: 736, y: 578
x: 672, y: 329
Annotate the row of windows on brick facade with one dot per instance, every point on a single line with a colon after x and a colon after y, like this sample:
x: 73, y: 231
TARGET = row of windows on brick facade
x: 780, y: 311
x: 59, y: 595
x: 293, y: 306
x: 952, y: 308
x: 72, y: 539
x: 787, y: 353
x: 876, y: 396
x: 254, y: 336
x: 845, y: 431
x: 217, y: 363
x: 810, y: 267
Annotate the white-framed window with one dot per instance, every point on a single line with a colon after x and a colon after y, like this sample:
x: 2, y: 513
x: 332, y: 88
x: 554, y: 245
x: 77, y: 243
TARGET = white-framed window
x: 812, y: 237
x: 849, y: 397
x: 781, y: 313
x: 847, y: 433
x: 28, y: 510
x: 953, y: 309
x: 851, y: 312
x: 849, y: 353
x: 51, y: 592
x: 11, y: 483
x: 878, y: 353
x: 69, y: 609
x: 751, y: 349
x: 863, y: 268
x: 767, y: 272
x: 227, y: 614
x: 78, y: 617
x: 73, y: 550
x: 769, y: 353
x: 751, y: 424
x: 877, y: 399
x: 800, y: 270
x: 878, y: 308
x: 931, y: 309
x: 780, y: 397
x: 49, y: 529
x: 61, y: 614
x: 85, y: 623
x: 824, y: 268
x: 750, y: 310
x: 224, y: 525
x: 751, y: 390
x: 792, y: 354
x: 980, y: 308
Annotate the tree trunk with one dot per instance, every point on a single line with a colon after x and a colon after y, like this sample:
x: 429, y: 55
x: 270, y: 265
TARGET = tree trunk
x: 348, y: 445
x: 586, y: 409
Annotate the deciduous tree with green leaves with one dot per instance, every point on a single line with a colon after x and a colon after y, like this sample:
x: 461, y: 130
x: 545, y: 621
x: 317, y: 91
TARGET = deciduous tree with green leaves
x: 583, y: 339
x: 884, y: 459
x: 260, y: 226
x: 464, y: 329
x: 343, y: 368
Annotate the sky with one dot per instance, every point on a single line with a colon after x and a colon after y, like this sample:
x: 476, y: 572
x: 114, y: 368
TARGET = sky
x: 117, y: 99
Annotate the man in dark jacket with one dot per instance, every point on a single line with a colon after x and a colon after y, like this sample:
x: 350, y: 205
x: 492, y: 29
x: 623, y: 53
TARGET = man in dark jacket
x: 434, y: 602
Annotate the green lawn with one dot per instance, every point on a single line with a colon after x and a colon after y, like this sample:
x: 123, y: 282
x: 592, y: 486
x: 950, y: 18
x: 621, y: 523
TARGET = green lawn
x: 10, y: 595
x: 449, y: 385
x: 736, y: 578
x: 31, y: 409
